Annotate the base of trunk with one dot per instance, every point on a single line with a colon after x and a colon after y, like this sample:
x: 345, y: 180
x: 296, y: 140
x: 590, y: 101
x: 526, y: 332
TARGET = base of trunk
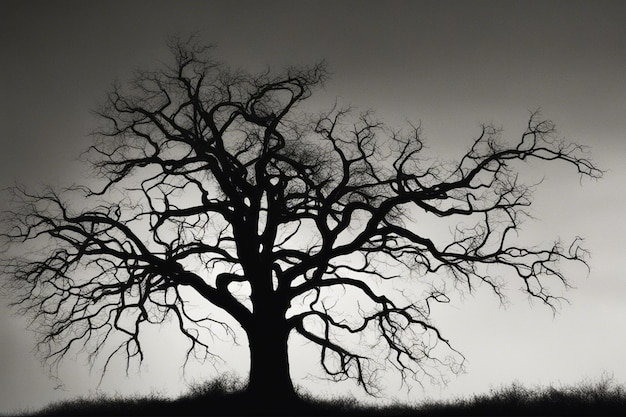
x: 269, y: 400
x: 269, y: 386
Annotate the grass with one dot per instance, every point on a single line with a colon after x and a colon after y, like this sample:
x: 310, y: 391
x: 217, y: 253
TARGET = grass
x: 225, y: 397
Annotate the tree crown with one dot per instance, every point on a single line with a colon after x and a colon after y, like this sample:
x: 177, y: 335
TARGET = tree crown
x: 213, y: 182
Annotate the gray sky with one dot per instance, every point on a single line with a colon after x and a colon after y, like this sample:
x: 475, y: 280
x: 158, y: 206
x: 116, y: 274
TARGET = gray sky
x: 451, y: 65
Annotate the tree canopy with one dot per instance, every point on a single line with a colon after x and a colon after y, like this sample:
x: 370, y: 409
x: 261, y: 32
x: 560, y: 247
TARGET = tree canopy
x: 215, y: 185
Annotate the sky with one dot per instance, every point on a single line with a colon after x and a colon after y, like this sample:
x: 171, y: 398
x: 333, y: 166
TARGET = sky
x: 449, y: 65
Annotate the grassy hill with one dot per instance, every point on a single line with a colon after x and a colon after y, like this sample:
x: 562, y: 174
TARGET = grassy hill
x: 218, y: 398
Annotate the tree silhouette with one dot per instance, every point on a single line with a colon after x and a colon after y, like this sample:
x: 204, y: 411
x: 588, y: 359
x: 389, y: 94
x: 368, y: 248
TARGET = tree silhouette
x: 218, y: 202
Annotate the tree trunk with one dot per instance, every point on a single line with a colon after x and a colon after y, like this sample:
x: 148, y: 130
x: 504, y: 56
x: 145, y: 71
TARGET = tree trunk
x: 269, y: 385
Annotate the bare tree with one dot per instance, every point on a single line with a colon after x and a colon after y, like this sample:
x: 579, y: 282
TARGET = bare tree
x: 214, y: 185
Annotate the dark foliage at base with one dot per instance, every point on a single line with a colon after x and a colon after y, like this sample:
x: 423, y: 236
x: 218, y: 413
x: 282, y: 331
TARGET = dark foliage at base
x: 219, y: 398
x: 601, y: 399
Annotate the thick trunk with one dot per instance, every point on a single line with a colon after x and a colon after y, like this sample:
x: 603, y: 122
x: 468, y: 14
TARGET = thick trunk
x: 269, y: 386
x: 269, y: 363
x: 269, y: 383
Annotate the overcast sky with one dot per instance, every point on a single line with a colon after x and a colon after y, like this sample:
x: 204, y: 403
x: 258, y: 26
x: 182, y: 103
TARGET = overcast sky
x: 450, y: 65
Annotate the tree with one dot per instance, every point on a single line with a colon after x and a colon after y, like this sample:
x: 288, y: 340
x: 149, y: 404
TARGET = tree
x: 214, y: 185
